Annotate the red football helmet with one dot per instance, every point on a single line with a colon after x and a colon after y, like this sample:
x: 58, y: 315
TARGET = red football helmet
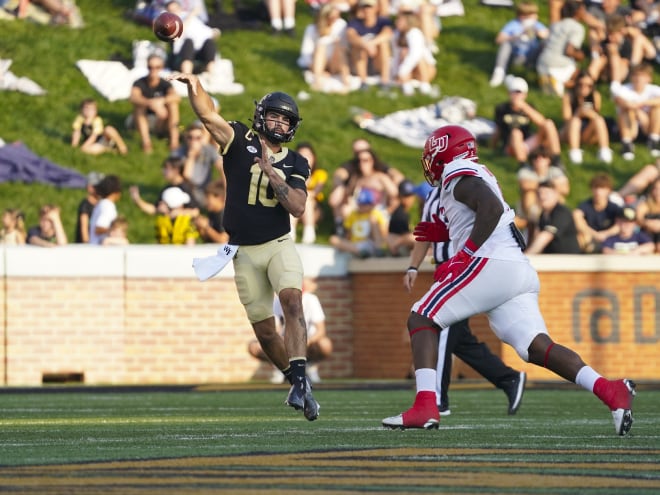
x: 445, y: 144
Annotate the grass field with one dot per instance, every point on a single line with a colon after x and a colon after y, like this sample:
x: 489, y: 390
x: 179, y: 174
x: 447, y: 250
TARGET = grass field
x: 244, y: 440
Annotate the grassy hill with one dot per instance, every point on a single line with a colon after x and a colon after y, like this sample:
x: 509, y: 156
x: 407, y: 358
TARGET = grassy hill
x: 48, y: 54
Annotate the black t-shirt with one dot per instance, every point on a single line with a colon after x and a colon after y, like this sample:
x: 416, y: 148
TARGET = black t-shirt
x: 625, y: 47
x: 36, y: 232
x: 561, y: 225
x: 399, y: 221
x: 599, y: 220
x: 506, y: 119
x: 215, y: 220
x: 85, y: 207
x: 159, y: 91
x: 253, y: 215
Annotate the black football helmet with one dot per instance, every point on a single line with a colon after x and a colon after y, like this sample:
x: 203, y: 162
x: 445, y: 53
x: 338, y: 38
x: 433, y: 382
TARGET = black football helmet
x: 283, y: 104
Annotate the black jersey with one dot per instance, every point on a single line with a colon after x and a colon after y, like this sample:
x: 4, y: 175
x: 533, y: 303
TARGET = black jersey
x: 253, y: 215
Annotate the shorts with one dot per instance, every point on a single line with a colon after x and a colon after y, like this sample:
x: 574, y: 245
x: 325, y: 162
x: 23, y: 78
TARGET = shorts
x: 262, y: 270
x: 152, y: 120
x: 512, y: 308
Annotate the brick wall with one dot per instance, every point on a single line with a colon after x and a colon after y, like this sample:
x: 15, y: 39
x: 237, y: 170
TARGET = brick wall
x: 605, y: 308
x: 137, y: 315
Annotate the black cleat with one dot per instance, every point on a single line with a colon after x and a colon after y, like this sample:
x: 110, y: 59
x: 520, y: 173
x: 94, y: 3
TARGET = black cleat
x: 300, y: 397
x: 514, y: 390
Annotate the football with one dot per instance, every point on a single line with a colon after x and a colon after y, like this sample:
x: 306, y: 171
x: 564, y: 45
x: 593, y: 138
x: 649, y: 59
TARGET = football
x: 168, y: 26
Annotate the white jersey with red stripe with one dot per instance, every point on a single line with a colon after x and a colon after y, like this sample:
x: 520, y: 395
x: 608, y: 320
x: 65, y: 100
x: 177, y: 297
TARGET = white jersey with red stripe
x: 512, y: 308
x: 460, y: 218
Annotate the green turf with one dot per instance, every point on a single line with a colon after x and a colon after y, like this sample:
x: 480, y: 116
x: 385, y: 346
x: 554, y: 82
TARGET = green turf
x: 98, y: 425
x: 48, y: 54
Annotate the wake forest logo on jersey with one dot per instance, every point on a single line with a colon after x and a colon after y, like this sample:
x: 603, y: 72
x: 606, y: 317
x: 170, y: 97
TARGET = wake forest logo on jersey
x: 252, y: 149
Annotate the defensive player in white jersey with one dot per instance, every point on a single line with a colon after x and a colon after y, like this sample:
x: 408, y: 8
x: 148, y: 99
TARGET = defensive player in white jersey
x: 458, y: 339
x: 479, y: 224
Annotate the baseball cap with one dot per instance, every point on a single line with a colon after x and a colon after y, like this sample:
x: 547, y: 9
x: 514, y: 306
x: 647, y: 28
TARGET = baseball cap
x: 93, y: 178
x: 406, y: 188
x: 423, y: 189
x: 516, y: 85
x: 367, y: 3
x: 366, y: 197
x: 627, y: 213
x: 175, y: 197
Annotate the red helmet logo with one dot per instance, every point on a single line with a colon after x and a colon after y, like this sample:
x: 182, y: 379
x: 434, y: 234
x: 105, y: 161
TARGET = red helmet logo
x: 438, y: 143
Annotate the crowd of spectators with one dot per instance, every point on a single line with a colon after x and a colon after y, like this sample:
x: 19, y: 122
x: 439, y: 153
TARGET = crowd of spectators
x: 581, y: 47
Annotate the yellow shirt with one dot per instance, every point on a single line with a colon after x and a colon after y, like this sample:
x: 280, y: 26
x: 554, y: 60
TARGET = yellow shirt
x: 359, y: 224
x: 175, y: 231
x: 317, y: 180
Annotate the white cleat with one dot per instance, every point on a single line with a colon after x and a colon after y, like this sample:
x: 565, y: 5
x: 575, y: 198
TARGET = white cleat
x: 397, y: 422
x: 623, y: 418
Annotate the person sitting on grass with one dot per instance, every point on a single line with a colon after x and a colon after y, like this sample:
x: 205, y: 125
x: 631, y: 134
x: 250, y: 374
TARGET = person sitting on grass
x: 91, y: 135
x: 49, y: 232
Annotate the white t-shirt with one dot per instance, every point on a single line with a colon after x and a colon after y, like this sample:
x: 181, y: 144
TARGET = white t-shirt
x: 562, y: 33
x: 103, y: 214
x: 628, y: 93
x: 311, y: 40
x: 418, y: 50
x: 312, y: 310
x: 193, y: 29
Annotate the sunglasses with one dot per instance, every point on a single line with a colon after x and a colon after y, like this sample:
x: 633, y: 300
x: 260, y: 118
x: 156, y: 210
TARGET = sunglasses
x: 154, y: 67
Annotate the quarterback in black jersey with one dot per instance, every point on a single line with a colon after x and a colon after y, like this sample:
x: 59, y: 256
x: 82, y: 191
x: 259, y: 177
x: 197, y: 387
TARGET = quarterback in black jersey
x: 265, y: 184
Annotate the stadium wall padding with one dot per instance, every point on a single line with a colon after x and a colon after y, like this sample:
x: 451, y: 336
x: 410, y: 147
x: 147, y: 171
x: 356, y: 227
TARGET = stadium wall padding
x: 138, y: 315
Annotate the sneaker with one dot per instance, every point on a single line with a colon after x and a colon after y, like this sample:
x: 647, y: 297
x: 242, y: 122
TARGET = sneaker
x: 605, y: 155
x: 627, y: 151
x: 654, y: 147
x: 514, y: 390
x: 618, y: 396
x: 407, y: 89
x: 426, y: 89
x: 300, y: 397
x: 497, y: 78
x: 443, y: 410
x: 617, y: 199
x: 423, y: 414
x: 575, y: 156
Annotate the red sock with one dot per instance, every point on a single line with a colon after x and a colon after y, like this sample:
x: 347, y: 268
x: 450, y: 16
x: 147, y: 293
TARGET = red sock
x: 423, y: 409
x: 601, y: 388
x: 425, y: 398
